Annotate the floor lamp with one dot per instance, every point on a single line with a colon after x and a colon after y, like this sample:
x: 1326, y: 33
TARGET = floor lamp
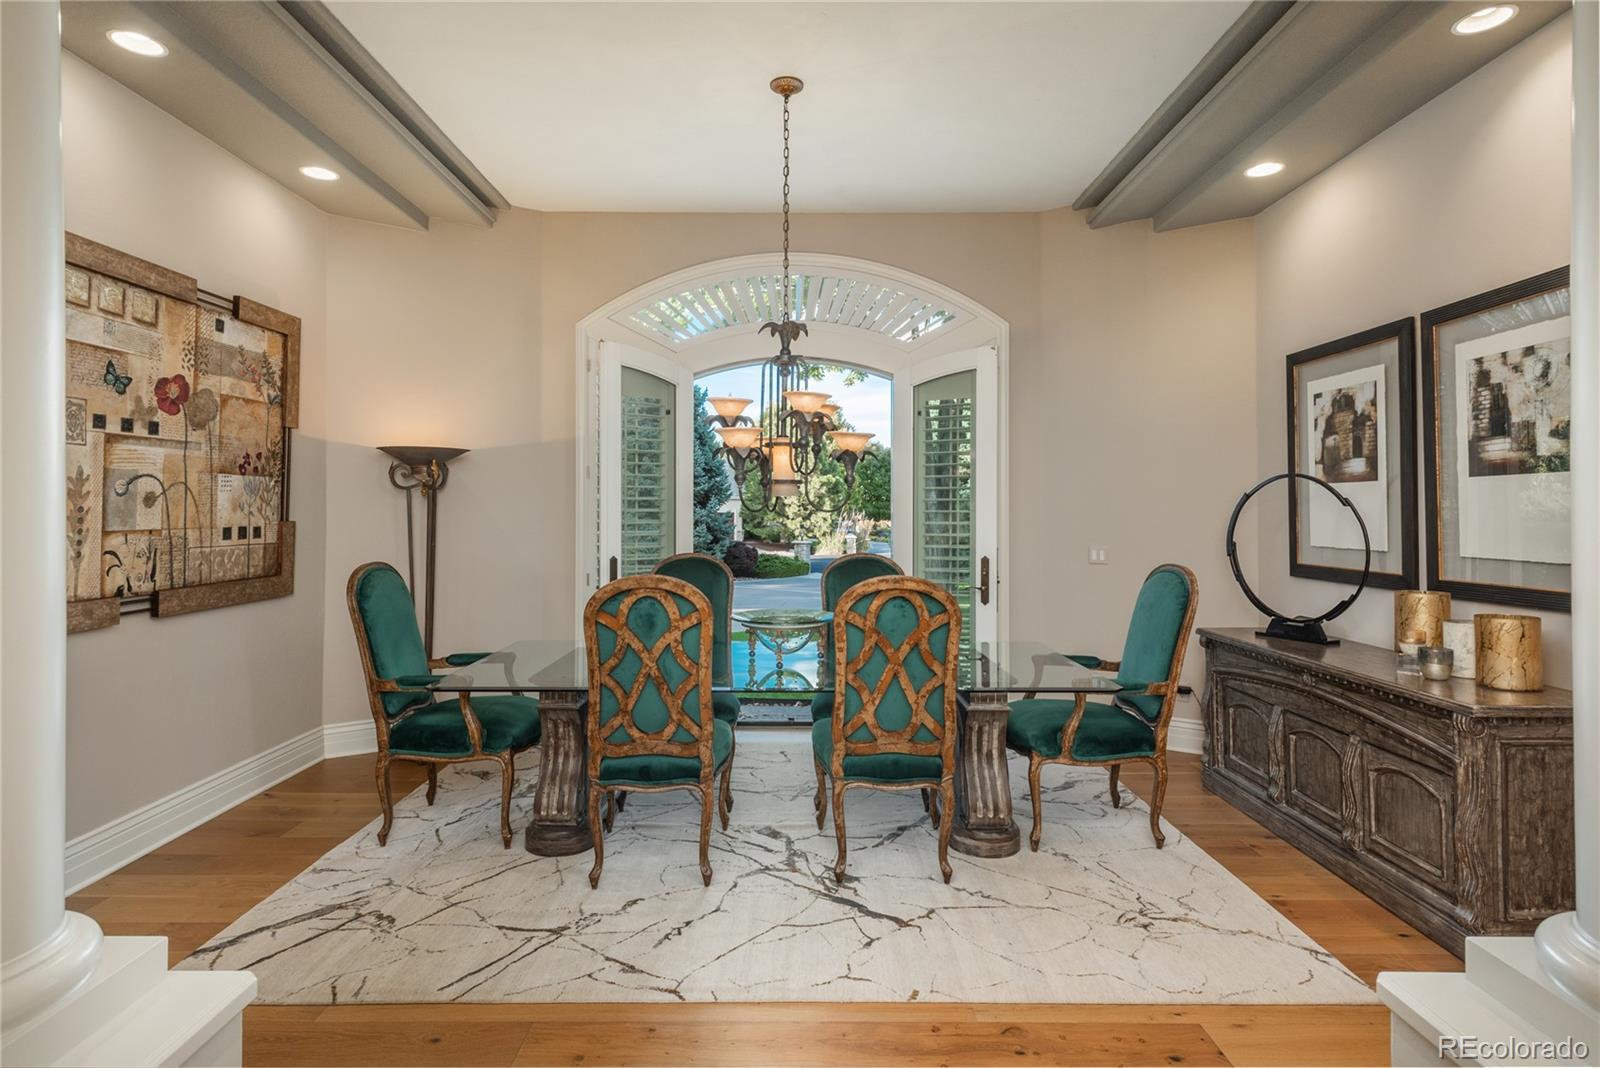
x: 424, y: 467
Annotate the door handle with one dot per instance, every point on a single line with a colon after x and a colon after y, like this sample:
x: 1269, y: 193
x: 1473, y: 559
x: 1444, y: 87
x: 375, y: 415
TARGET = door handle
x: 613, y: 569
x: 983, y: 580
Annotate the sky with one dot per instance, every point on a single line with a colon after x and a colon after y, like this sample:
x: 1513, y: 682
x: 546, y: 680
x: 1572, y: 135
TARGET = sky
x: 866, y: 405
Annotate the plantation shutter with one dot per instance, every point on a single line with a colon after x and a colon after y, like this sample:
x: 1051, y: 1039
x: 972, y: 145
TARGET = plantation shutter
x: 944, y: 410
x: 649, y: 463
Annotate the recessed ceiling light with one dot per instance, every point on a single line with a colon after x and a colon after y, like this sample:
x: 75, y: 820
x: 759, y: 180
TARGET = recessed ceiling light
x: 321, y: 174
x: 137, y: 43
x: 1483, y: 19
x: 1264, y: 170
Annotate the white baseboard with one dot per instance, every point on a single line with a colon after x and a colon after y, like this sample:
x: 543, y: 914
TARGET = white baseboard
x: 1186, y: 735
x: 351, y: 738
x: 100, y: 852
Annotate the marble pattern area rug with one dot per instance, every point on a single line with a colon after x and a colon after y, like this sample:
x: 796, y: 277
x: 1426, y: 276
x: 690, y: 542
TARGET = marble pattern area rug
x: 1098, y: 915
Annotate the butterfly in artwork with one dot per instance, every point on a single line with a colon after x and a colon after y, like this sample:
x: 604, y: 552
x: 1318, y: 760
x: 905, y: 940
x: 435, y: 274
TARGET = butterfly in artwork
x: 118, y: 382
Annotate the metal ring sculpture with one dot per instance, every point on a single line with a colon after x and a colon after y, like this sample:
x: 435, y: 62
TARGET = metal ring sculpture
x: 1309, y: 627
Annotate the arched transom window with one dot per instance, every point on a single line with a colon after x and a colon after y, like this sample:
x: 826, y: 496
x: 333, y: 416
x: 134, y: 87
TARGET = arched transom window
x: 703, y: 307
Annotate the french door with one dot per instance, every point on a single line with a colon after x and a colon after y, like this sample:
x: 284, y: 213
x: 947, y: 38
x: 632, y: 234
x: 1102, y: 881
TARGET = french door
x: 645, y: 465
x: 948, y: 496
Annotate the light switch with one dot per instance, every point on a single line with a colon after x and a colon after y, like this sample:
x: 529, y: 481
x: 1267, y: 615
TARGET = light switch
x: 1097, y: 554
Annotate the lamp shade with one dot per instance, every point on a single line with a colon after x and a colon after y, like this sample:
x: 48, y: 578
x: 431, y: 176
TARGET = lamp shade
x: 784, y: 483
x: 805, y: 401
x: 421, y: 455
x: 729, y: 408
x: 849, y: 440
x: 830, y: 410
x: 739, y: 437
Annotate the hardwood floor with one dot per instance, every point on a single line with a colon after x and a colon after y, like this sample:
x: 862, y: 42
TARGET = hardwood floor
x: 194, y: 886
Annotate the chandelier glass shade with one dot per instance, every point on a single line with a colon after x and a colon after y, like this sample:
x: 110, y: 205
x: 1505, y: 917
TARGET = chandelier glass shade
x: 781, y: 449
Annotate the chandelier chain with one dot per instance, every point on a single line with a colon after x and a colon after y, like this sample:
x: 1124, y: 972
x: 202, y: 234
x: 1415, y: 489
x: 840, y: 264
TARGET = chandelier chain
x: 786, y: 284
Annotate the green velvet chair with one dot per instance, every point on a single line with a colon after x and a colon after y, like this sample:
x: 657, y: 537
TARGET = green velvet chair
x: 1132, y: 728
x: 838, y: 577
x: 711, y: 577
x: 413, y: 726
x: 650, y: 721
x: 897, y: 641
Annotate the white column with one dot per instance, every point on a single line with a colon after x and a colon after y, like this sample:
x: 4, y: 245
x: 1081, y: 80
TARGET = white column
x: 45, y: 952
x: 1569, y: 944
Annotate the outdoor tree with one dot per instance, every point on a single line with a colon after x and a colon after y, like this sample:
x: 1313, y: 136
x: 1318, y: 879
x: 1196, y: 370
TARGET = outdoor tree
x: 870, y: 498
x: 713, y: 487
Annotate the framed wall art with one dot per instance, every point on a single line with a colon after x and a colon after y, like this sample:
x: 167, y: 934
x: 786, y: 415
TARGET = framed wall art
x: 1352, y: 423
x: 1497, y: 400
x: 179, y: 408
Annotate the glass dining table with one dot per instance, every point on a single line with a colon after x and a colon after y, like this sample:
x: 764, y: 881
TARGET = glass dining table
x: 989, y: 675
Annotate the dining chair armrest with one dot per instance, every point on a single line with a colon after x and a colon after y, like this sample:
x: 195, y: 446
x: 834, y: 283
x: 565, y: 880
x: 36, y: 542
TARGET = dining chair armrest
x: 1094, y: 663
x: 1080, y: 701
x: 456, y: 660
x: 418, y: 683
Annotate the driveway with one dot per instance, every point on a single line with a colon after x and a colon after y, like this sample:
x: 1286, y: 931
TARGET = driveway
x: 804, y: 591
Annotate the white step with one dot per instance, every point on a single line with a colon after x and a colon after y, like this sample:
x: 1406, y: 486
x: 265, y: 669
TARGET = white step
x: 1502, y: 1001
x: 133, y: 1011
x: 1507, y: 969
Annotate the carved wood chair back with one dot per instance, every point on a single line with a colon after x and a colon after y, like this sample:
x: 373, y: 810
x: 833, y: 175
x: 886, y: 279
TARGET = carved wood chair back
x: 897, y: 642
x: 713, y: 578
x: 649, y: 642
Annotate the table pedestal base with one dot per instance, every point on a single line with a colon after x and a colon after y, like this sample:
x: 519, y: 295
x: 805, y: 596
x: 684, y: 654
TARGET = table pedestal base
x: 560, y: 824
x: 984, y: 826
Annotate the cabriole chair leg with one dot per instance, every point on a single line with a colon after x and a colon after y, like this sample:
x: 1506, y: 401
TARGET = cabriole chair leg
x: 817, y: 802
x: 947, y: 799
x: 508, y: 776
x: 708, y: 798
x: 1116, y: 794
x: 727, y: 791
x: 433, y: 782
x: 838, y: 829
x: 382, y: 775
x: 1035, y: 765
x: 1157, y: 798
x: 599, y: 835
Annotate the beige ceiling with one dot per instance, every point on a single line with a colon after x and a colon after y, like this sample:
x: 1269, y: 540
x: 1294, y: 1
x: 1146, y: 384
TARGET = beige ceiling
x: 907, y: 106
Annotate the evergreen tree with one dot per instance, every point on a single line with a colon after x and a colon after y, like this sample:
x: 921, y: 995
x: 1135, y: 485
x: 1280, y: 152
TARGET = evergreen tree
x: 713, y: 487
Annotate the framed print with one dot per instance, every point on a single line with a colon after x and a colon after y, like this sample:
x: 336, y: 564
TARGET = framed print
x: 1497, y: 400
x: 1352, y: 422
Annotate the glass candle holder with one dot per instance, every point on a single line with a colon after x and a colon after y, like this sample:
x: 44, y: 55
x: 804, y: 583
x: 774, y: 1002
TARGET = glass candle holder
x: 1437, y: 663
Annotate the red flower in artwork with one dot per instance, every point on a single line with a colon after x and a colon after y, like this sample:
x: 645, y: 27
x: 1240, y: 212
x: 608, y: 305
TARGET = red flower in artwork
x: 172, y: 394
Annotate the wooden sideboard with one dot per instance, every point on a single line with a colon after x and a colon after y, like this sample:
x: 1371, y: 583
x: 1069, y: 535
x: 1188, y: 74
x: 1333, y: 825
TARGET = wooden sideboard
x: 1449, y: 804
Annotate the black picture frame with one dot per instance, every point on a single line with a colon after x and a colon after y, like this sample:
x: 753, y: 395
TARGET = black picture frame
x: 1403, y: 333
x: 1487, y: 592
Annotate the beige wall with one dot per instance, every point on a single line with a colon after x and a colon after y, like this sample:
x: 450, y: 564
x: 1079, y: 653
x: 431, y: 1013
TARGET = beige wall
x: 482, y: 354
x: 156, y: 705
x: 1133, y: 427
x: 1467, y: 193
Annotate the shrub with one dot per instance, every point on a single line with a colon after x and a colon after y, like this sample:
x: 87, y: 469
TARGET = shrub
x: 777, y: 565
x: 742, y: 559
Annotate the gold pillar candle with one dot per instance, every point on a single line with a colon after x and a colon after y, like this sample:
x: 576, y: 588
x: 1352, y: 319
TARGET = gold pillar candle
x: 1420, y: 612
x: 1510, y: 653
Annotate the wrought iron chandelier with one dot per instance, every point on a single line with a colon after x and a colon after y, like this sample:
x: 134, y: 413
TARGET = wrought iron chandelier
x: 782, y: 449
